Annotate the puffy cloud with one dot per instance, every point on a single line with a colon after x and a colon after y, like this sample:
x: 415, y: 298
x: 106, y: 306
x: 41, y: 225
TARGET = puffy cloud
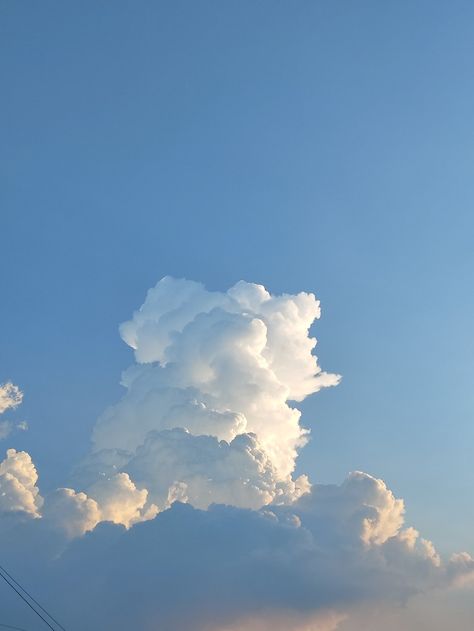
x: 168, y: 307
x: 120, y: 501
x: 208, y: 471
x: 304, y: 566
x: 115, y: 499
x: 242, y: 570
x: 193, y: 469
x: 361, y: 509
x: 10, y: 396
x: 99, y: 465
x: 70, y: 512
x: 18, y: 490
x: 220, y: 365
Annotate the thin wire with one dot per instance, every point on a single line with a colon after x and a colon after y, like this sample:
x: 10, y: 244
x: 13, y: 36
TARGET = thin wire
x: 31, y: 598
x: 8, y: 626
x: 26, y: 601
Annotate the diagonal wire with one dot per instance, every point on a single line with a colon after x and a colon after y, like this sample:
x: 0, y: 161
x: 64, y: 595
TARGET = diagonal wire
x: 26, y: 601
x: 8, y: 626
x: 2, y: 569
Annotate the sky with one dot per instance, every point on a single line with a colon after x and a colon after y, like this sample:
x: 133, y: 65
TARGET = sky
x: 323, y: 147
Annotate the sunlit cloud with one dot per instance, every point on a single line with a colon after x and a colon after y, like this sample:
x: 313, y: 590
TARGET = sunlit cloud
x: 10, y: 396
x: 187, y: 513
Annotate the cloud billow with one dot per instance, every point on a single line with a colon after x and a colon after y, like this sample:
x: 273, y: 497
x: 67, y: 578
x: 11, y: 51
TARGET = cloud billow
x: 187, y: 514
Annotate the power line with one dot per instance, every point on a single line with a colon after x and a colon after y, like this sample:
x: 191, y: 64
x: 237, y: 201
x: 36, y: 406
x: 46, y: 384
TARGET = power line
x: 9, y: 626
x: 26, y: 601
x: 2, y: 569
x: 11, y: 584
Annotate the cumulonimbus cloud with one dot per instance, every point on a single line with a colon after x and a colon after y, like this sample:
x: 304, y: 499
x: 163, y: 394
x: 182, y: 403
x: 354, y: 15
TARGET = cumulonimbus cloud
x: 187, y: 514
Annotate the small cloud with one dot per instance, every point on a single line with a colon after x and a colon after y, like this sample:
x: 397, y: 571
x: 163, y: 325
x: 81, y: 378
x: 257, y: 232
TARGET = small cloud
x: 7, y: 427
x: 10, y: 396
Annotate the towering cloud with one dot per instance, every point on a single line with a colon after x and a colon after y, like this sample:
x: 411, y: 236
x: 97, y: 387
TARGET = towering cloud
x: 207, y: 405
x: 193, y: 469
x: 18, y: 491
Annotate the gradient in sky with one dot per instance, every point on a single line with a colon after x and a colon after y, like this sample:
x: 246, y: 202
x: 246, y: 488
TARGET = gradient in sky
x: 316, y: 146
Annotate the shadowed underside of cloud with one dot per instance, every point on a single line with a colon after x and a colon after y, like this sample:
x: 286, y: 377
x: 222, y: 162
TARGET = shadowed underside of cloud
x: 187, y: 514
x: 305, y: 565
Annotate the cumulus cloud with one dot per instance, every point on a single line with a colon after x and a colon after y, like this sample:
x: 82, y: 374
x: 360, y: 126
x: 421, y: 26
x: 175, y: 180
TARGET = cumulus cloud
x: 221, y: 365
x: 115, y: 499
x: 186, y: 514
x: 361, y: 509
x: 120, y: 501
x: 211, y: 471
x: 70, y: 512
x: 244, y: 570
x: 10, y: 396
x: 18, y: 491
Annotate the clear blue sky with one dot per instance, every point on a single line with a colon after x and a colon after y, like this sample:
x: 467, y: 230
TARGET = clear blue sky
x: 319, y: 146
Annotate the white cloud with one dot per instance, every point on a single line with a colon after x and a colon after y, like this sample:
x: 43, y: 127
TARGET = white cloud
x: 220, y: 365
x: 208, y: 419
x: 361, y: 509
x: 18, y: 490
x: 10, y: 396
x: 208, y: 471
x: 120, y: 501
x: 115, y: 499
x: 70, y: 512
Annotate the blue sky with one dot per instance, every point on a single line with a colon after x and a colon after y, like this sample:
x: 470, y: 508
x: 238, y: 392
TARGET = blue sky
x: 318, y: 146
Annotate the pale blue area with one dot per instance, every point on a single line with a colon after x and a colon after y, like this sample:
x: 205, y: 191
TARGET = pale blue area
x: 309, y: 145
